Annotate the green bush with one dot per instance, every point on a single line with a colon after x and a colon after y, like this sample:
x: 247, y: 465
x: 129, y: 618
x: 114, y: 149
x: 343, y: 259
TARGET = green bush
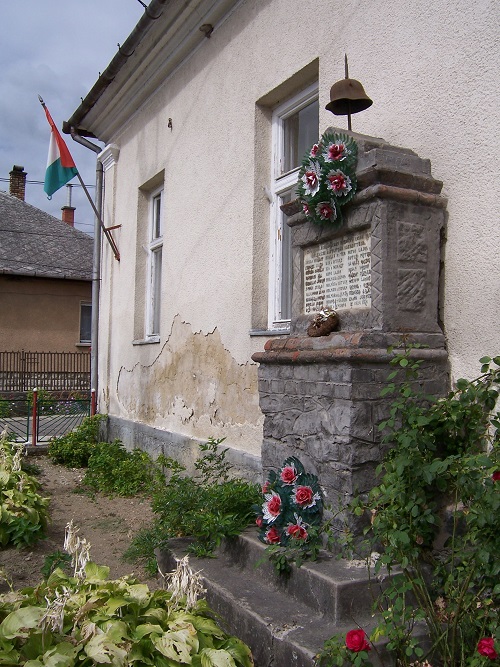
x: 115, y: 471
x: 23, y: 512
x: 71, y: 621
x: 74, y: 449
x: 436, y: 513
x: 207, y: 507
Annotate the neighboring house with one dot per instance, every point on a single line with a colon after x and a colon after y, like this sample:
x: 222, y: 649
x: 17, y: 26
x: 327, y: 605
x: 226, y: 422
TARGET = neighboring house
x: 206, y: 111
x: 45, y: 277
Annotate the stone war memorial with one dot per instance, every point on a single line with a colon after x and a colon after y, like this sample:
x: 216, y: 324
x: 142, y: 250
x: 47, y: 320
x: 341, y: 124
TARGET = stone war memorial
x: 361, y: 283
x: 379, y: 270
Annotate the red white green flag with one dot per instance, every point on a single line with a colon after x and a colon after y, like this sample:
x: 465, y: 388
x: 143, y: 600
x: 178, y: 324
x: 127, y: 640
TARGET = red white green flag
x: 61, y: 167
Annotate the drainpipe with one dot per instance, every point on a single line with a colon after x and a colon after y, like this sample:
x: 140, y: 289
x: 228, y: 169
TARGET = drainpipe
x: 96, y: 267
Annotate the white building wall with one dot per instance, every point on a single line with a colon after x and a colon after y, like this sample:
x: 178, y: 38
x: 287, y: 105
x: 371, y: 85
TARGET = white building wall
x: 432, y: 71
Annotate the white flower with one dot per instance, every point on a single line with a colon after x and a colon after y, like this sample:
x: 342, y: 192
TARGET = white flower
x: 311, y: 178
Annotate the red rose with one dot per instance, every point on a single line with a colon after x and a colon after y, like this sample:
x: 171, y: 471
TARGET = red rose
x: 259, y: 521
x: 311, y: 178
x: 336, y: 151
x: 496, y: 476
x: 325, y: 211
x: 486, y: 647
x: 355, y: 640
x: 297, y: 532
x: 288, y: 475
x: 265, y: 488
x: 274, y: 505
x: 314, y: 150
x: 304, y: 496
x: 272, y: 536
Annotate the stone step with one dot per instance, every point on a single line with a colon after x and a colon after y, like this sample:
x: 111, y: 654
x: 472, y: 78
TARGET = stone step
x: 284, y: 621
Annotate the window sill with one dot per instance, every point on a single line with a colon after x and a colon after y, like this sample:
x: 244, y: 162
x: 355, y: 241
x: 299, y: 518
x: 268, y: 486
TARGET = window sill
x: 82, y: 344
x: 269, y: 332
x: 147, y: 341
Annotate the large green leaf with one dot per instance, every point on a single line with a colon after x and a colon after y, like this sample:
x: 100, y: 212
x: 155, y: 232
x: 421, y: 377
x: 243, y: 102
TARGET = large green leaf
x: 239, y: 650
x: 177, y: 645
x: 207, y: 626
x: 18, y: 622
x: 103, y: 651
x: 62, y: 655
x: 95, y: 572
x: 213, y: 657
x: 146, y: 629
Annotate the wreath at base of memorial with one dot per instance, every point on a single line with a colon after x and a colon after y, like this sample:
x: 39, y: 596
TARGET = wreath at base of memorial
x: 327, y: 178
x: 290, y: 517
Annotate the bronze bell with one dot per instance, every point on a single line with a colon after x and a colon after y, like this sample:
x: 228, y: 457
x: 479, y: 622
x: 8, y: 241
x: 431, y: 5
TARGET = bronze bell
x: 348, y: 96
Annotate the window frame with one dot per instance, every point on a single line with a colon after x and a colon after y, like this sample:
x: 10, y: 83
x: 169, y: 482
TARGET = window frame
x: 85, y: 341
x: 154, y: 264
x: 282, y: 185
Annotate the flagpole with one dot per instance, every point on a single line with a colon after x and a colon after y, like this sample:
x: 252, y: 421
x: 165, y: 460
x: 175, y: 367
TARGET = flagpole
x: 106, y: 231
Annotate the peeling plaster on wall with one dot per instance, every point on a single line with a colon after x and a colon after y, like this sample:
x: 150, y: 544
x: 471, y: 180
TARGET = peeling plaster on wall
x: 195, y: 387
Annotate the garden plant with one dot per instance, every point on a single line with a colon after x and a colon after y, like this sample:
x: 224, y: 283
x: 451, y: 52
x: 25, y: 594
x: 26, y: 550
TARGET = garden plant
x: 86, y: 619
x: 435, y: 517
x: 23, y: 511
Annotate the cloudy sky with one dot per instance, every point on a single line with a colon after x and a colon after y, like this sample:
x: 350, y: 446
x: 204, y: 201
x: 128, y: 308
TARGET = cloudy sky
x: 55, y: 48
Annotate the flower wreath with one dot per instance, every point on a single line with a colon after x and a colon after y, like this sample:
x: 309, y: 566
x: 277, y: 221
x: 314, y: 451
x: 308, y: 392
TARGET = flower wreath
x: 327, y: 178
x: 293, y: 503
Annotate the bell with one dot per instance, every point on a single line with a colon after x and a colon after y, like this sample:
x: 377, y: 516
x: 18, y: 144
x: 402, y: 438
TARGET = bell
x: 348, y: 96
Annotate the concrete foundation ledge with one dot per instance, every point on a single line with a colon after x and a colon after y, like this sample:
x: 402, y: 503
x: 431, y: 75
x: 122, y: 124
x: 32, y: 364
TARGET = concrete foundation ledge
x: 284, y: 621
x: 183, y: 448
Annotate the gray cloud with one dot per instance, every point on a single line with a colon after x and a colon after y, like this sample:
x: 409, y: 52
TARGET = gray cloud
x: 55, y: 48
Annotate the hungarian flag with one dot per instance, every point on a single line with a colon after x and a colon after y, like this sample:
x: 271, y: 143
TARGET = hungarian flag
x: 60, y: 165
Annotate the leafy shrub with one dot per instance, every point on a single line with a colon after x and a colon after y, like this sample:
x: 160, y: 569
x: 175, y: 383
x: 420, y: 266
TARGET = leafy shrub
x: 23, y: 512
x: 208, y: 507
x: 88, y: 619
x: 115, y: 471
x: 436, y: 513
x: 74, y: 449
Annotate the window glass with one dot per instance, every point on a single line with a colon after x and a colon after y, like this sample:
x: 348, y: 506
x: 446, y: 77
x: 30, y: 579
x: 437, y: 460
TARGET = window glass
x: 85, y: 322
x: 301, y: 130
x: 156, y: 291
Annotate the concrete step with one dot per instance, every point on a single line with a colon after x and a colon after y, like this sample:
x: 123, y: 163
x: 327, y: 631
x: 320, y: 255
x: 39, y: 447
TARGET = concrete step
x: 285, y: 621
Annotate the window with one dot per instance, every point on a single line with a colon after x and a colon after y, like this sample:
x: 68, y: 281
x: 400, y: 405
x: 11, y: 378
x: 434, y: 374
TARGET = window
x: 295, y: 127
x: 155, y: 248
x: 85, y: 323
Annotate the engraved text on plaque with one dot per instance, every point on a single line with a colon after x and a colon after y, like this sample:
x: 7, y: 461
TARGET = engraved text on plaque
x: 337, y: 274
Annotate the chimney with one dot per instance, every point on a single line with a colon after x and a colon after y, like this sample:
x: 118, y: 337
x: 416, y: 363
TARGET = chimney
x: 68, y: 211
x: 17, y: 186
x: 68, y: 215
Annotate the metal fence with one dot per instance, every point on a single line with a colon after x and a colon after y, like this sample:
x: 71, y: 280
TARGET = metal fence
x: 37, y: 421
x: 51, y: 371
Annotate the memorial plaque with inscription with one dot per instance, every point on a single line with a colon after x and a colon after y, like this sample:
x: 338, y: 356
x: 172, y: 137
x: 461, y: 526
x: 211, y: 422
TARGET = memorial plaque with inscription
x: 337, y: 274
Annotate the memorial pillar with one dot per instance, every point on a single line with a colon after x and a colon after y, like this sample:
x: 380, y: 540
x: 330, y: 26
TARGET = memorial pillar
x: 380, y: 271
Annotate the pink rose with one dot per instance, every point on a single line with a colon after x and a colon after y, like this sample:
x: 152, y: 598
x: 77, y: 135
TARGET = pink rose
x: 311, y: 178
x: 288, y: 475
x: 265, y: 488
x: 496, y: 476
x: 314, y: 150
x: 339, y: 182
x: 259, y: 521
x: 336, y: 152
x: 272, y: 536
x: 355, y: 640
x: 326, y: 211
x: 297, y: 532
x: 304, y: 496
x: 305, y: 209
x: 274, y: 505
x: 486, y: 647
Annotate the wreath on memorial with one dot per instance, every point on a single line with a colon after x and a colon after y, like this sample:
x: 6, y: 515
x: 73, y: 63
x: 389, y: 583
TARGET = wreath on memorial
x: 289, y: 518
x: 327, y: 178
